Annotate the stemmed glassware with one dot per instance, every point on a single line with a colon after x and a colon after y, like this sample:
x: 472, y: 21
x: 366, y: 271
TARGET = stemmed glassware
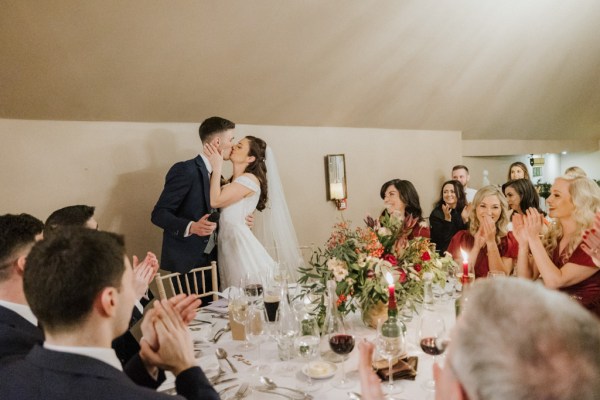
x: 391, y: 346
x: 341, y: 342
x: 239, y: 304
x: 432, y: 338
x: 253, y: 287
x: 307, y: 347
x: 257, y: 328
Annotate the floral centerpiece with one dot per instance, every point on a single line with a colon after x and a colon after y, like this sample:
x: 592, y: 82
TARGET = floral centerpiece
x: 358, y: 260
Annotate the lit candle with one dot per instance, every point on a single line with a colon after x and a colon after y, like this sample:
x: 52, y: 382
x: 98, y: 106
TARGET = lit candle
x: 390, y: 279
x: 465, y: 257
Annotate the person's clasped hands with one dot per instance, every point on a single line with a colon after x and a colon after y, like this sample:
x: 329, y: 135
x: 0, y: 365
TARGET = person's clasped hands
x: 591, y: 240
x: 143, y: 273
x: 166, y: 342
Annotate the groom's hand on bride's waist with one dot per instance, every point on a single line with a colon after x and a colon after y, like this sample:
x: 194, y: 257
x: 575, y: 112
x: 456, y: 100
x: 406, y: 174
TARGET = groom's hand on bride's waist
x: 203, y: 227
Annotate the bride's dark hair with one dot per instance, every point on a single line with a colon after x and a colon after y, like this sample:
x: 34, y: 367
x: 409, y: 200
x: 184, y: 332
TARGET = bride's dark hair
x: 258, y: 168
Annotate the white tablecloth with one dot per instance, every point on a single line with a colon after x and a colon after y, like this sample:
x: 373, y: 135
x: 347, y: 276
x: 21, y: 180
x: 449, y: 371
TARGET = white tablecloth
x: 207, y: 360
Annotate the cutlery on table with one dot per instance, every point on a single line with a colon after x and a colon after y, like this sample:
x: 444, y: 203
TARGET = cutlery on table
x: 242, y: 391
x: 222, y: 392
x: 220, y: 332
x: 271, y: 385
x: 222, y: 355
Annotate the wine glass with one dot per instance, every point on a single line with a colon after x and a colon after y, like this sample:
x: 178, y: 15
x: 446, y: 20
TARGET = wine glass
x: 257, y: 328
x: 496, y: 274
x: 341, y: 342
x: 307, y: 347
x: 390, y: 344
x: 432, y: 339
x: 239, y: 304
x: 253, y: 287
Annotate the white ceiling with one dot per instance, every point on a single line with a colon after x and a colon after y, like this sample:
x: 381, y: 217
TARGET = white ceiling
x: 511, y: 69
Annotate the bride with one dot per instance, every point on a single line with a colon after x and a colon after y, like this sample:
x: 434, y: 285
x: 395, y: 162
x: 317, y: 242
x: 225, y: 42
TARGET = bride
x: 240, y: 252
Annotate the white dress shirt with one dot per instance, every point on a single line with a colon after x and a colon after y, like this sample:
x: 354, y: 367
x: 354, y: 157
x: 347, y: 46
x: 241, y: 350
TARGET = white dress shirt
x: 104, y: 354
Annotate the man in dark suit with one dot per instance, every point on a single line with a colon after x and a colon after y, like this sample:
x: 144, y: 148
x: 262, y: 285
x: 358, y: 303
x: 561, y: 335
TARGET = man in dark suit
x: 83, y: 216
x: 18, y: 326
x: 79, y: 284
x: 184, y: 205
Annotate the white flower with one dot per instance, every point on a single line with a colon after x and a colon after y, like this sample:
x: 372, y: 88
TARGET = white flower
x: 340, y: 273
x: 383, y: 231
x: 338, y: 267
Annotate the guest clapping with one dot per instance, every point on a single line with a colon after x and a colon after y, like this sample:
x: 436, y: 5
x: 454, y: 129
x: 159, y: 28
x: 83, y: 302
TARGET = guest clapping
x: 400, y: 197
x: 490, y: 245
x: 448, y: 215
x: 591, y: 241
x: 559, y: 257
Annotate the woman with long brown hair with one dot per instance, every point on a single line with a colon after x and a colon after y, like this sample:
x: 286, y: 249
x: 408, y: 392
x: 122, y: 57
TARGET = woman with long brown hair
x: 240, y: 252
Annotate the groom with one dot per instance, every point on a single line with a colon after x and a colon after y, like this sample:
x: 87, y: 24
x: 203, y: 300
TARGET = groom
x: 183, y: 208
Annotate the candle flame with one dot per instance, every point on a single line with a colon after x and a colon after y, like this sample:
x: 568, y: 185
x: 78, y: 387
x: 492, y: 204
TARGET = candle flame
x: 465, y: 255
x: 389, y: 278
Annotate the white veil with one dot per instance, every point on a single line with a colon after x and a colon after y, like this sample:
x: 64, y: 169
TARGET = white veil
x: 273, y: 226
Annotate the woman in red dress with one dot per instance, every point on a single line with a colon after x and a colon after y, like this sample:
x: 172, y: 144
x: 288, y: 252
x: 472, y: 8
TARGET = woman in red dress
x: 401, y: 197
x: 487, y: 240
x: 558, y: 257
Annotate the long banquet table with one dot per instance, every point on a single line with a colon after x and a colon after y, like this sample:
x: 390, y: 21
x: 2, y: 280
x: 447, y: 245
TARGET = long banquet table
x: 294, y: 379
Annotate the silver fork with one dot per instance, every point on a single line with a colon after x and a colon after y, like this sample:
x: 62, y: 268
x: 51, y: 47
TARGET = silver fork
x: 242, y: 391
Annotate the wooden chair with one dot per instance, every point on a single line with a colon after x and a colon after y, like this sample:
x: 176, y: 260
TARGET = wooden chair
x: 194, y: 282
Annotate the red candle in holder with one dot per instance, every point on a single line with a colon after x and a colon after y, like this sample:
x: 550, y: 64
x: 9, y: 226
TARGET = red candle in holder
x: 390, y: 279
x: 465, y: 277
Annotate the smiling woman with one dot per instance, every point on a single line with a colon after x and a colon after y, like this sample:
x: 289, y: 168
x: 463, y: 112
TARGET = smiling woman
x: 487, y: 240
x: 558, y: 256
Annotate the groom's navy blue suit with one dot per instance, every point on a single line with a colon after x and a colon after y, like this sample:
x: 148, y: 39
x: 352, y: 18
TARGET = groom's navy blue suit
x: 184, y: 198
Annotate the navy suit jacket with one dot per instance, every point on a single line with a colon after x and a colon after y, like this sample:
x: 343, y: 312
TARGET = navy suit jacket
x: 52, y: 375
x: 17, y: 335
x: 185, y: 198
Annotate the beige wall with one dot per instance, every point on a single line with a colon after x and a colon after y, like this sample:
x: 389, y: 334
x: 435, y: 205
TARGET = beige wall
x: 120, y: 168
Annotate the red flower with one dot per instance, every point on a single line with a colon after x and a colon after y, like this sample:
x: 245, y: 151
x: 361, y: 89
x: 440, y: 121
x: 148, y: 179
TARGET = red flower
x: 390, y: 258
x: 425, y: 256
x: 402, y: 276
x: 341, y: 299
x: 417, y: 267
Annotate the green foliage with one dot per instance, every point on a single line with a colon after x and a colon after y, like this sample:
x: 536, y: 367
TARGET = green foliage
x: 359, y: 260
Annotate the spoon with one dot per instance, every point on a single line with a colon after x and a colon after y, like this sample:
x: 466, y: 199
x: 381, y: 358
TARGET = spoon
x: 271, y: 385
x: 354, y: 396
x: 222, y: 355
x: 220, y: 332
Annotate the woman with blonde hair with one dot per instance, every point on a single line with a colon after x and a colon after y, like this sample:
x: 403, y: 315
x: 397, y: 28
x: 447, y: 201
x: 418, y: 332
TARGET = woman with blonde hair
x: 491, y: 247
x: 558, y: 257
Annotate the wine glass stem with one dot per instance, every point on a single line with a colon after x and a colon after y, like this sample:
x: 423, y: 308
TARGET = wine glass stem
x: 343, y: 373
x: 260, y: 360
x: 391, y: 377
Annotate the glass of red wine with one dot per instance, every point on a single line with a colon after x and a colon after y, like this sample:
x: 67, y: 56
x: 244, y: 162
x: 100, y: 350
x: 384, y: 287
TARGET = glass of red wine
x: 341, y: 342
x: 432, y: 339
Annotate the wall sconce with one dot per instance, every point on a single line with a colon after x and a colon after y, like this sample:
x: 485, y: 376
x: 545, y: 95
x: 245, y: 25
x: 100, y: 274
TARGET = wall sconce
x: 336, y: 180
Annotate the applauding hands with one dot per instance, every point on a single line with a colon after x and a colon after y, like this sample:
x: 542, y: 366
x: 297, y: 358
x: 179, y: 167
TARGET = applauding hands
x: 166, y: 341
x: 143, y: 273
x: 591, y: 241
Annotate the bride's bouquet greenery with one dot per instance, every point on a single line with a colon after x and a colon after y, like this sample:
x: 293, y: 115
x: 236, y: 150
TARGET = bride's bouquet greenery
x: 358, y: 260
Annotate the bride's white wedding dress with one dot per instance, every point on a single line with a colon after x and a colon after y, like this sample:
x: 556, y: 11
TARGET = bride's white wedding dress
x: 240, y: 252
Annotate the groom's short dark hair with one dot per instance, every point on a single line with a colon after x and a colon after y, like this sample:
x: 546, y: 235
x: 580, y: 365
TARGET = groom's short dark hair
x: 213, y: 126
